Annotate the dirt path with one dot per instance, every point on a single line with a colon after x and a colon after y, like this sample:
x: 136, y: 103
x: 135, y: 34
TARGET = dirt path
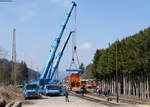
x: 59, y: 102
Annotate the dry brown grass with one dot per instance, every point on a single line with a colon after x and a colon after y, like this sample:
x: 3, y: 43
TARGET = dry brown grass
x: 11, y: 93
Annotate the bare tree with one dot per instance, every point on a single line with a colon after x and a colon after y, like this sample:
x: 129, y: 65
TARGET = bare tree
x: 3, y: 53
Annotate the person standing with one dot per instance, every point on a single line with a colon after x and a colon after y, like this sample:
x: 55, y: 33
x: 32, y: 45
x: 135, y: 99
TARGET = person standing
x: 83, y: 90
x: 99, y: 91
x: 66, y: 94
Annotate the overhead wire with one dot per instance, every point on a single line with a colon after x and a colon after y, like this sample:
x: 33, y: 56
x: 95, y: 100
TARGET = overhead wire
x: 74, y: 47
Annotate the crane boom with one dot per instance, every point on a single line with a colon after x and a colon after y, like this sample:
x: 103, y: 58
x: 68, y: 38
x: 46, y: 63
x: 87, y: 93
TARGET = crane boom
x: 55, y: 66
x: 55, y: 44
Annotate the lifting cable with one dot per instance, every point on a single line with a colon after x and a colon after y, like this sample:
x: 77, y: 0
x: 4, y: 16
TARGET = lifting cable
x: 74, y: 47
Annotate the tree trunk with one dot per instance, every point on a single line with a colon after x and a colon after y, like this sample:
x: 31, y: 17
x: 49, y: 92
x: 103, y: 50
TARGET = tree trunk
x: 112, y: 83
x: 138, y: 88
x: 145, y: 89
x: 119, y: 89
x: 141, y: 89
x: 114, y: 87
x: 129, y: 91
x: 148, y: 94
x: 133, y: 89
x: 124, y: 86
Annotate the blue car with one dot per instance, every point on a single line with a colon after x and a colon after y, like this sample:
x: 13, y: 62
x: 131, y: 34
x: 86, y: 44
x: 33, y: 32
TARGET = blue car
x: 31, y: 91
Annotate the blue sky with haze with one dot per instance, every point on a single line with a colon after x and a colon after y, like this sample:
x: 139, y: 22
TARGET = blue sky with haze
x: 98, y: 22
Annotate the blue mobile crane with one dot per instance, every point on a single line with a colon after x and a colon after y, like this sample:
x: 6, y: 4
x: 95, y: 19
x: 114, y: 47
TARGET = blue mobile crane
x: 53, y: 86
x: 54, y: 47
x: 48, y: 67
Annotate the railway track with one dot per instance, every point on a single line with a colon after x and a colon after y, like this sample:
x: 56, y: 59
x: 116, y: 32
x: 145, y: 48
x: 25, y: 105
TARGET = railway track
x: 123, y: 100
x: 107, y: 103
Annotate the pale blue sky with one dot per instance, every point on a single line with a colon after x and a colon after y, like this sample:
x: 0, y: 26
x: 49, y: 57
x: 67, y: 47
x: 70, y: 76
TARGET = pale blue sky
x: 98, y: 22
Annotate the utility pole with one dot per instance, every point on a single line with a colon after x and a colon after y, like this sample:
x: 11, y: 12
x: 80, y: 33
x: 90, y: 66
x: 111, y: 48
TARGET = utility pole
x: 117, y: 96
x: 14, y: 56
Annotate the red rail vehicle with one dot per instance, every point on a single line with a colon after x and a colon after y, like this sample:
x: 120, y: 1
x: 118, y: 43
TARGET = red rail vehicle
x: 74, y: 78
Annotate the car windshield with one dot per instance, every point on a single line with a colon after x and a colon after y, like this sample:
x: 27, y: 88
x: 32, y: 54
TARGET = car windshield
x: 30, y: 87
x: 51, y: 87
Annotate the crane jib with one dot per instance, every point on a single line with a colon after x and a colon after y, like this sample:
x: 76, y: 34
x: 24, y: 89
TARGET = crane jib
x: 55, y: 44
x: 58, y: 58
